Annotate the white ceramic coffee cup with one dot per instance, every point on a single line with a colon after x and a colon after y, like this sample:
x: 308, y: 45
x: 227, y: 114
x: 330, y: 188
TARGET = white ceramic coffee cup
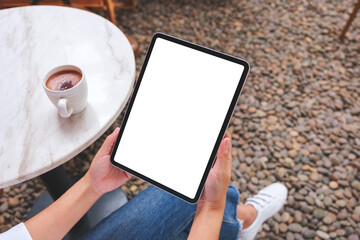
x: 70, y: 101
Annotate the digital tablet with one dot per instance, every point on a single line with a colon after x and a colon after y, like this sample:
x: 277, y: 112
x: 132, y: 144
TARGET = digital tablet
x: 178, y: 114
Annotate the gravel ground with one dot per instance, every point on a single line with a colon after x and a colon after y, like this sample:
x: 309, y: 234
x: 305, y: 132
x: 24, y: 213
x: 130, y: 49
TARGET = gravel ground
x: 298, y: 118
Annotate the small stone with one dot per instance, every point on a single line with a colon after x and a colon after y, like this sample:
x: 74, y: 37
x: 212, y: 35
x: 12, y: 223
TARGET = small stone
x: 295, y: 227
x: 301, y: 139
x: 133, y: 188
x: 290, y: 236
x: 261, y: 113
x: 292, y: 153
x: 333, y: 185
x: 13, y: 202
x: 339, y: 193
x: 315, y: 176
x: 3, y: 207
x: 327, y: 201
x: 322, y: 234
x: 348, y: 230
x: 353, y: 237
x: 356, y: 184
x: 302, y: 177
x: 305, y: 152
x: 342, y: 214
x: 277, y: 217
x: 340, y: 232
x: 285, y: 217
x: 309, y: 234
x: 356, y: 214
x: 254, y: 180
x: 332, y: 235
x: 293, y: 133
x: 340, y: 203
x: 319, y: 213
x: 282, y: 172
x: 298, y: 236
x: 309, y: 200
x: 298, y: 216
x: 283, y: 227
x: 327, y: 219
x: 252, y: 110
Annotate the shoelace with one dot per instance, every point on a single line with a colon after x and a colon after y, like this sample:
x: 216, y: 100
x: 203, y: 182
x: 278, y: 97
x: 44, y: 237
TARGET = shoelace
x: 261, y: 196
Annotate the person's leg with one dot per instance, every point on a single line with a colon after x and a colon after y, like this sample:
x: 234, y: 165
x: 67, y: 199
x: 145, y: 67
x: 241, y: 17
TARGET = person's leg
x: 259, y: 208
x: 230, y: 227
x: 153, y: 214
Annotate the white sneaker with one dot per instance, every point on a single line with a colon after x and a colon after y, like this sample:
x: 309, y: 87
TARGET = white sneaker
x: 267, y: 202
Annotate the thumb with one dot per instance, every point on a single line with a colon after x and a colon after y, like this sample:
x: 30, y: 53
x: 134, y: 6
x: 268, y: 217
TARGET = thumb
x: 109, y: 142
x: 224, y: 159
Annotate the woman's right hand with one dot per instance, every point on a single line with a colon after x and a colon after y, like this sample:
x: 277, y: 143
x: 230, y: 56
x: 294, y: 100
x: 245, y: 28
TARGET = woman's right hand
x: 102, y: 175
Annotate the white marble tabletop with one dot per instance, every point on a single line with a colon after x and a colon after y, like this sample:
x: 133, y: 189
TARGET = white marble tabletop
x: 33, y: 137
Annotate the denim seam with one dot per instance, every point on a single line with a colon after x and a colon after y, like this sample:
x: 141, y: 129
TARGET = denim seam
x: 231, y: 222
x: 182, y: 226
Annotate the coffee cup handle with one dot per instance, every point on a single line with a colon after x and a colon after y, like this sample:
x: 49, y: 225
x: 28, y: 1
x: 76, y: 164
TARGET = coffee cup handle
x: 63, y: 109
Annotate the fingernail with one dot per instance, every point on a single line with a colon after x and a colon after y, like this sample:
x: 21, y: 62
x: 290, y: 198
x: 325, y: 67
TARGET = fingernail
x: 227, y: 142
x: 116, y: 130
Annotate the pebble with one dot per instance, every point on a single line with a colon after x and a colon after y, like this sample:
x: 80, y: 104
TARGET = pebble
x: 252, y: 110
x: 292, y: 153
x: 298, y: 236
x: 133, y: 188
x: 298, y: 216
x: 315, y: 177
x: 356, y: 184
x: 340, y: 232
x: 294, y: 227
x: 309, y: 200
x: 339, y: 193
x: 356, y: 214
x: 285, y: 217
x: 333, y: 185
x: 3, y: 207
x: 340, y: 203
x: 353, y: 237
x: 290, y: 236
x: 322, y: 235
x: 319, y: 213
x: 327, y: 219
x: 283, y: 227
x: 13, y: 201
x: 327, y: 201
x: 309, y: 234
x: 342, y: 214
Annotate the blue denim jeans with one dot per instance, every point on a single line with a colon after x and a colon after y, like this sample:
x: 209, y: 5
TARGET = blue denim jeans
x: 155, y: 214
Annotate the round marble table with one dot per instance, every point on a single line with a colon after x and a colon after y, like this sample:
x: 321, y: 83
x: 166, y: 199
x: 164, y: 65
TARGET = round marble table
x: 34, y: 138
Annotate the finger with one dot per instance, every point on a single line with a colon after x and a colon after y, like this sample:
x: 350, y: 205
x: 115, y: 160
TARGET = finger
x: 224, y: 159
x: 227, y: 134
x: 109, y: 142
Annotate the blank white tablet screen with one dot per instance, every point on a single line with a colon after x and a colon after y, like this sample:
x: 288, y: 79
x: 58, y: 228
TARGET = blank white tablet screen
x: 177, y: 115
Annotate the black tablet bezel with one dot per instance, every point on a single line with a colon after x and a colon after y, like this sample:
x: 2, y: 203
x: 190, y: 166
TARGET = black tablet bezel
x: 222, y: 130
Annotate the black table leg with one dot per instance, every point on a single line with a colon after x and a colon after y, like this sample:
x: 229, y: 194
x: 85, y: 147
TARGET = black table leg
x: 57, y: 182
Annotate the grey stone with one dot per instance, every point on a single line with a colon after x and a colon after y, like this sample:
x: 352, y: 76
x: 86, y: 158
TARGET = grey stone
x: 294, y: 227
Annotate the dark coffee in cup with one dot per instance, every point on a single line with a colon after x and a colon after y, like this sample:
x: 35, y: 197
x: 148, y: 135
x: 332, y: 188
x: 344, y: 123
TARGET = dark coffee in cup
x: 63, y: 80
